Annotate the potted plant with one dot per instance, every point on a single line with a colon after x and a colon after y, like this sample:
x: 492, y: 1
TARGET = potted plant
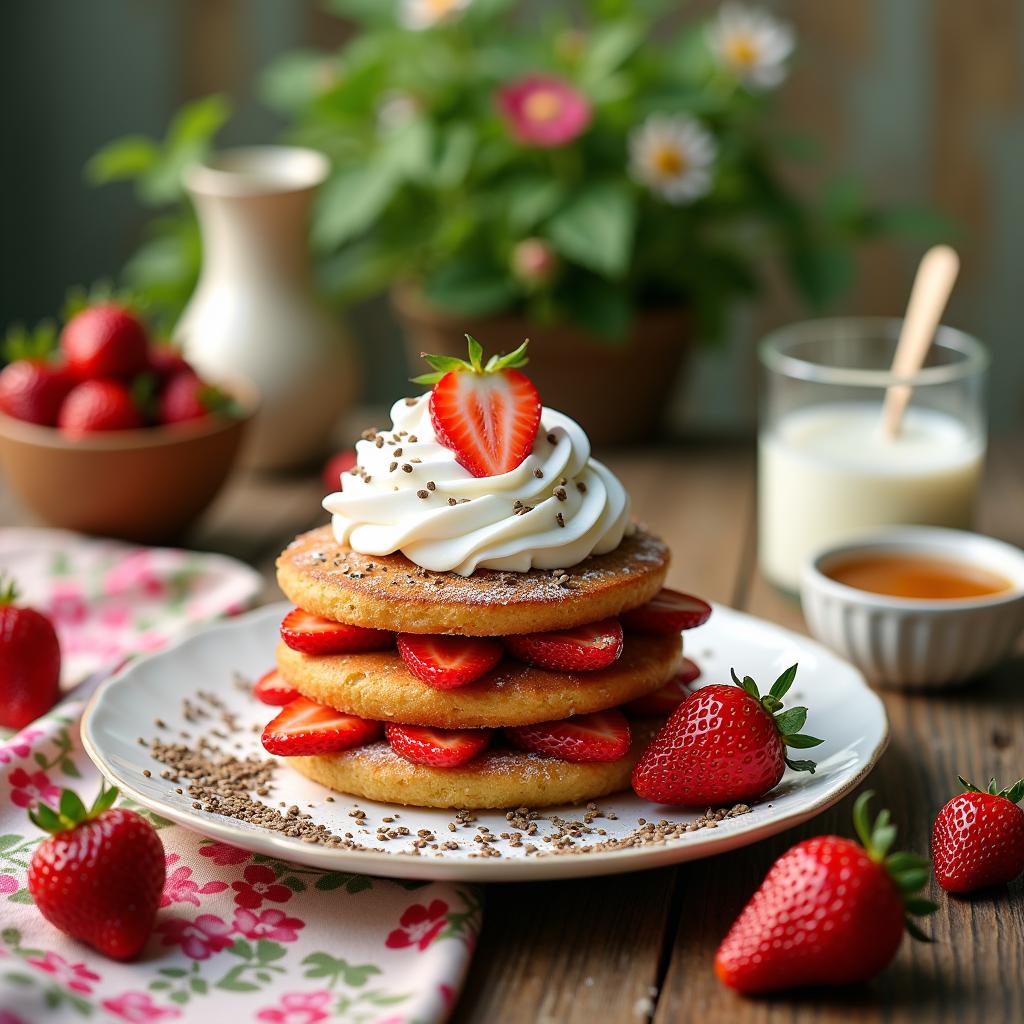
x: 600, y: 177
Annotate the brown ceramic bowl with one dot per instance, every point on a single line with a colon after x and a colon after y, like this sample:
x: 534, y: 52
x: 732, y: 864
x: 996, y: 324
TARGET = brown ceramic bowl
x: 145, y: 485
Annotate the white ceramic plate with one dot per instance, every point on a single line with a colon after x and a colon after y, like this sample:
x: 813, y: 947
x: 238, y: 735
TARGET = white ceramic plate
x: 844, y: 711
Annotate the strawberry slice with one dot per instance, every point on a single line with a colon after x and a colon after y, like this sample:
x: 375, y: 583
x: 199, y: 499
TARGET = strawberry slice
x: 669, y: 612
x: 445, y: 662
x: 585, y: 648
x: 437, y: 748
x: 487, y: 415
x: 271, y: 688
x: 311, y: 634
x: 663, y: 702
x: 601, y: 736
x: 305, y: 727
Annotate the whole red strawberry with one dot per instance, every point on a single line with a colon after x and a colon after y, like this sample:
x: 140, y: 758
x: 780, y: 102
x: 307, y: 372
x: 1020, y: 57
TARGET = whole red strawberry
x: 100, y: 875
x: 978, y: 838
x: 724, y: 744
x: 187, y: 397
x: 829, y: 912
x: 105, y: 340
x: 97, y: 405
x: 487, y: 415
x: 33, y: 390
x: 29, y: 662
x: 166, y: 361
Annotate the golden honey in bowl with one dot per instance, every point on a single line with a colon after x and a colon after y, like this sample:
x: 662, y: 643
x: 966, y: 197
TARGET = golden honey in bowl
x: 898, y: 574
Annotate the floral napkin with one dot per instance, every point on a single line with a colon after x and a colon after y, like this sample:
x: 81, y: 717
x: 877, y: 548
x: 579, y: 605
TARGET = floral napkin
x: 238, y: 934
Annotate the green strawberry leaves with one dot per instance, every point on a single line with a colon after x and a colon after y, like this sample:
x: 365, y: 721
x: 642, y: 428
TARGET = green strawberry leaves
x: 475, y: 364
x: 71, y: 812
x: 789, y: 723
x: 1014, y: 793
x: 8, y: 590
x: 909, y: 871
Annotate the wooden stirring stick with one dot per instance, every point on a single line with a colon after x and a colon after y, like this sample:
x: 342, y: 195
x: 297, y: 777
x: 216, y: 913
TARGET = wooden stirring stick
x: 933, y: 284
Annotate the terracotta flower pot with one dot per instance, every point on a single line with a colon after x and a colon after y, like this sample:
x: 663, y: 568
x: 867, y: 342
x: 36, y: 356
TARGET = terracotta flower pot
x: 618, y: 393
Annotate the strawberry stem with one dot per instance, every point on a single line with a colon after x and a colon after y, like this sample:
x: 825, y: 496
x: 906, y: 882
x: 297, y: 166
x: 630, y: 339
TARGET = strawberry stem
x: 8, y: 590
x: 789, y: 723
x: 475, y: 364
x: 1014, y: 793
x: 71, y: 812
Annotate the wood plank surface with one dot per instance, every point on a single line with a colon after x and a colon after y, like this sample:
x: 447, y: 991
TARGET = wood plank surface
x: 639, y: 947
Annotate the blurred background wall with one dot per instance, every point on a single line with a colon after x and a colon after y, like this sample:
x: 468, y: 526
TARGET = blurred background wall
x: 924, y: 99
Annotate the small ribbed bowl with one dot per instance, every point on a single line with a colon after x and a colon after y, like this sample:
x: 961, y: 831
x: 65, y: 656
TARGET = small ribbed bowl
x: 912, y: 643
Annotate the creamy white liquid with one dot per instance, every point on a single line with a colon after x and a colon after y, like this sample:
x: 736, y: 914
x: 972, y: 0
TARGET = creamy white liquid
x: 827, y: 472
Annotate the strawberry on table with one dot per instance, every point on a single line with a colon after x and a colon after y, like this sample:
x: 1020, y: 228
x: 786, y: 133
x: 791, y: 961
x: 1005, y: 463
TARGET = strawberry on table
x: 29, y: 661
x: 600, y: 736
x: 725, y: 744
x: 487, y: 415
x: 98, y: 405
x: 583, y: 649
x: 978, y: 838
x: 829, y: 912
x: 272, y: 688
x: 445, y: 662
x: 105, y: 340
x: 312, y: 634
x: 663, y: 702
x: 669, y: 612
x: 437, y: 748
x: 33, y: 390
x: 305, y: 727
x: 100, y: 875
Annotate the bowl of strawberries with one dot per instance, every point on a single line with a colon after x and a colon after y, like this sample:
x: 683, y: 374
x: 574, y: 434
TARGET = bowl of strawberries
x: 112, y: 433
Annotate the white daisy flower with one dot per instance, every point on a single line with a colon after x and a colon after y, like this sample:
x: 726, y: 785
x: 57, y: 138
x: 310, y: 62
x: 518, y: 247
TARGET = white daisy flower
x: 752, y: 45
x: 421, y: 14
x: 672, y: 155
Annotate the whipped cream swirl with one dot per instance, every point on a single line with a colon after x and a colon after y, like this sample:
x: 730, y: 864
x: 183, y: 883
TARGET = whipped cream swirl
x: 407, y: 493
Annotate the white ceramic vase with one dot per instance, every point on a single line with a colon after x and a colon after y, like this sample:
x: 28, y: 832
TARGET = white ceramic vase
x: 254, y: 312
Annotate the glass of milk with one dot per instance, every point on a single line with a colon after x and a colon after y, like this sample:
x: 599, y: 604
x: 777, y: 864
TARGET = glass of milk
x: 826, y: 469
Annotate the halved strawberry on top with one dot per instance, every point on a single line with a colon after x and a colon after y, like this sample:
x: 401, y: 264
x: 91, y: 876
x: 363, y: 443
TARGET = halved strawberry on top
x: 669, y: 612
x: 272, y: 688
x: 487, y: 414
x: 305, y: 727
x: 663, y: 702
x: 583, y: 649
x: 436, y: 748
x: 312, y: 634
x: 445, y: 662
x: 600, y: 736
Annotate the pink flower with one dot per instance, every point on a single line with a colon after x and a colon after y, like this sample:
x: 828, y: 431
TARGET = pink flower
x: 19, y: 745
x: 135, y: 576
x: 76, y: 977
x: 26, y: 789
x: 534, y: 262
x: 221, y: 853
x: 420, y: 925
x: 8, y: 884
x: 139, y: 1008
x: 199, y: 938
x: 540, y: 110
x: 260, y: 884
x: 271, y: 924
x: 67, y: 604
x: 116, y: 615
x: 298, y: 1008
x: 180, y: 888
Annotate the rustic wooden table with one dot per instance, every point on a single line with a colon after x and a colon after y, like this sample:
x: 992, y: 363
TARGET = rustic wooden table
x: 634, y: 947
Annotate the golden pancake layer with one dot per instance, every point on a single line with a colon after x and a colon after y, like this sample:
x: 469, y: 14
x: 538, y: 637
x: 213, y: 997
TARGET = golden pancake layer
x: 390, y: 592
x: 378, y: 685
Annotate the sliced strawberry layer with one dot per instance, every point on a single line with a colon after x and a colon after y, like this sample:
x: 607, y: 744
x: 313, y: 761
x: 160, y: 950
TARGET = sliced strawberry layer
x: 305, y: 727
x: 445, y: 662
x: 669, y: 612
x: 489, y: 420
x: 585, y: 648
x: 437, y: 748
x: 663, y: 702
x: 601, y: 736
x: 271, y: 688
x: 311, y: 634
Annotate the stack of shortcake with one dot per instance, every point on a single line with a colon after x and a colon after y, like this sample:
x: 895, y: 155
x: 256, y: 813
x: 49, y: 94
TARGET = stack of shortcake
x: 481, y: 625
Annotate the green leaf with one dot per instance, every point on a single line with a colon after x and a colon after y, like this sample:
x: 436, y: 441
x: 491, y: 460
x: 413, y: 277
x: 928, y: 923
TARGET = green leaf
x: 358, y: 883
x: 609, y: 45
x: 595, y: 228
x: 915, y: 222
x: 801, y: 766
x: 920, y: 906
x: 67, y: 766
x: 801, y: 742
x: 199, y: 986
x: 915, y: 932
x: 123, y: 159
x: 791, y: 721
x: 470, y: 288
x: 350, y: 201
x: 71, y: 806
x: 231, y: 982
x: 267, y: 951
x: 902, y: 861
x: 198, y: 121
x: 293, y: 80
x: 293, y: 883
x: 782, y: 685
x: 601, y: 309
x: 454, y: 155
x: 528, y: 200
x: 360, y: 975
x: 9, y: 840
x: 241, y: 948
x: 476, y: 353
x: 46, y: 818
x: 179, y: 997
x: 173, y: 972
x: 22, y: 896
x: 821, y: 272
